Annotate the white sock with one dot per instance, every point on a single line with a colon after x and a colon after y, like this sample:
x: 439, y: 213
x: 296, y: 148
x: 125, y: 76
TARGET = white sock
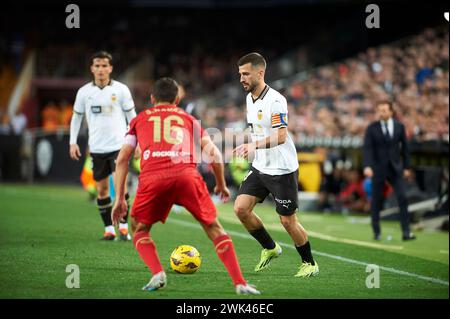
x: 123, y: 226
x: 110, y: 229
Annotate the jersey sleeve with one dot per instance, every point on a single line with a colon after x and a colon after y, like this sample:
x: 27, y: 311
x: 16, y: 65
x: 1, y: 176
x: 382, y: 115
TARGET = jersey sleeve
x: 78, y: 106
x: 127, y: 99
x: 279, y: 114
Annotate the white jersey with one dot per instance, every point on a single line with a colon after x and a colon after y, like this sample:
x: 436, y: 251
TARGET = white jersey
x: 269, y: 111
x: 104, y: 109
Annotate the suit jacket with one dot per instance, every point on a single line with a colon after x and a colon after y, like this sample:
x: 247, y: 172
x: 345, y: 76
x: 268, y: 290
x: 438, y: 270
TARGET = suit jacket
x: 380, y: 151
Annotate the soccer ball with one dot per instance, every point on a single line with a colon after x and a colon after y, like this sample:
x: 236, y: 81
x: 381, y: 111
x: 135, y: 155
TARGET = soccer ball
x: 185, y: 259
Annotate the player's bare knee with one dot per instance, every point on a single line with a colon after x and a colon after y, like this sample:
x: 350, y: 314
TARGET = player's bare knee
x: 103, y: 191
x: 103, y: 188
x: 287, y: 223
x: 242, y: 212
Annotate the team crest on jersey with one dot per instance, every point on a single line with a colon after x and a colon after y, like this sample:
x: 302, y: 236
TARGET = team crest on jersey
x: 258, y: 130
x: 260, y: 115
x: 114, y: 98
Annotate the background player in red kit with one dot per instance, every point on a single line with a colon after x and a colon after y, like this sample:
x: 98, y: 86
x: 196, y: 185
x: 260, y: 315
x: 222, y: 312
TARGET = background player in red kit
x: 167, y: 137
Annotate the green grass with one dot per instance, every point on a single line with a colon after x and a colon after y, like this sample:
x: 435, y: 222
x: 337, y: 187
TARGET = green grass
x: 45, y: 228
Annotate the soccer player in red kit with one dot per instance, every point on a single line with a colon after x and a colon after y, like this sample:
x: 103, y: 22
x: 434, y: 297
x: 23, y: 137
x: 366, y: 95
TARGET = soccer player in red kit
x: 167, y: 137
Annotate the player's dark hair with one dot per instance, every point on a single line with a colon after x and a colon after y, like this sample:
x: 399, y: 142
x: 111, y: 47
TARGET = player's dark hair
x: 165, y: 90
x: 255, y: 59
x: 101, y: 55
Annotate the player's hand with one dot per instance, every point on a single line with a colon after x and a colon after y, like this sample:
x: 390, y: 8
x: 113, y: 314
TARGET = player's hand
x: 119, y: 211
x: 244, y: 150
x: 223, y: 191
x: 75, y: 153
x: 368, y: 172
x: 407, y: 173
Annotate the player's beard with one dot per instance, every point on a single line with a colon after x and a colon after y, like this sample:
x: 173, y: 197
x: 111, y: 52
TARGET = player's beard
x: 250, y: 88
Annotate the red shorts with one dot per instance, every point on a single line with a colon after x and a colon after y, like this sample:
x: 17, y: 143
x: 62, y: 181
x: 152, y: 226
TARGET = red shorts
x: 155, y: 198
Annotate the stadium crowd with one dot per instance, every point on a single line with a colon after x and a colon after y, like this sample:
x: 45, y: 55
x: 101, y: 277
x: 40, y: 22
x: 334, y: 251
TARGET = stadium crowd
x: 337, y: 99
x: 334, y: 99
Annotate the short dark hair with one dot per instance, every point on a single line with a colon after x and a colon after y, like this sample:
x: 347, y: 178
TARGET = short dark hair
x: 165, y: 90
x: 102, y: 55
x: 254, y: 59
x: 388, y: 102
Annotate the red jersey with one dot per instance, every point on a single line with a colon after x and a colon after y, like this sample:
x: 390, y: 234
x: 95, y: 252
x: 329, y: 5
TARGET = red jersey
x: 169, y: 139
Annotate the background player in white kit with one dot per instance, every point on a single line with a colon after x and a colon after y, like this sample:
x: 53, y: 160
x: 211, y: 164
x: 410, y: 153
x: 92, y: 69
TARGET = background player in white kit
x: 108, y: 106
x: 274, y: 169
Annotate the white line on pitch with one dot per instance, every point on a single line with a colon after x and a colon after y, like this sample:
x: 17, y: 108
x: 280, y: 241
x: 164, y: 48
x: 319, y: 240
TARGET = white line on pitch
x: 340, y: 258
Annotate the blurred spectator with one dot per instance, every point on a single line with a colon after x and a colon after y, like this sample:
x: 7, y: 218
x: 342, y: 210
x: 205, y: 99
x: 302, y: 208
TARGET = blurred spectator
x: 18, y: 123
x: 66, y: 113
x: 233, y: 118
x: 367, y: 185
x: 424, y: 72
x: 51, y: 117
x: 332, y: 184
x: 353, y: 197
x: 5, y: 124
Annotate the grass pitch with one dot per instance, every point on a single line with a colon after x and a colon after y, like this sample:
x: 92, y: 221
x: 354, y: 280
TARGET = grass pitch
x: 44, y: 228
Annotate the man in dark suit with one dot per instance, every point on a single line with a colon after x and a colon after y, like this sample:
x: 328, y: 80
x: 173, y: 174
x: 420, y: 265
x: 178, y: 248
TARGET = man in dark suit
x: 386, y: 157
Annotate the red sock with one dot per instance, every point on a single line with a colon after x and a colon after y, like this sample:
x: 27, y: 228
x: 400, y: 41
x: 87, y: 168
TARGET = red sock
x: 225, y: 251
x: 147, y: 250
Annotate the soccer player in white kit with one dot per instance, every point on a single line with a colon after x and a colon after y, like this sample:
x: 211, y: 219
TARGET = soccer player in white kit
x: 108, y: 107
x: 274, y: 169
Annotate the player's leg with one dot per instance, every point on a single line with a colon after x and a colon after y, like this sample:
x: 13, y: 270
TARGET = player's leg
x: 146, y: 248
x: 284, y: 189
x: 225, y: 251
x: 193, y: 194
x: 243, y: 208
x: 251, y: 192
x: 104, y: 203
x: 123, y: 224
x: 309, y: 266
x: 101, y: 171
x: 149, y: 207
